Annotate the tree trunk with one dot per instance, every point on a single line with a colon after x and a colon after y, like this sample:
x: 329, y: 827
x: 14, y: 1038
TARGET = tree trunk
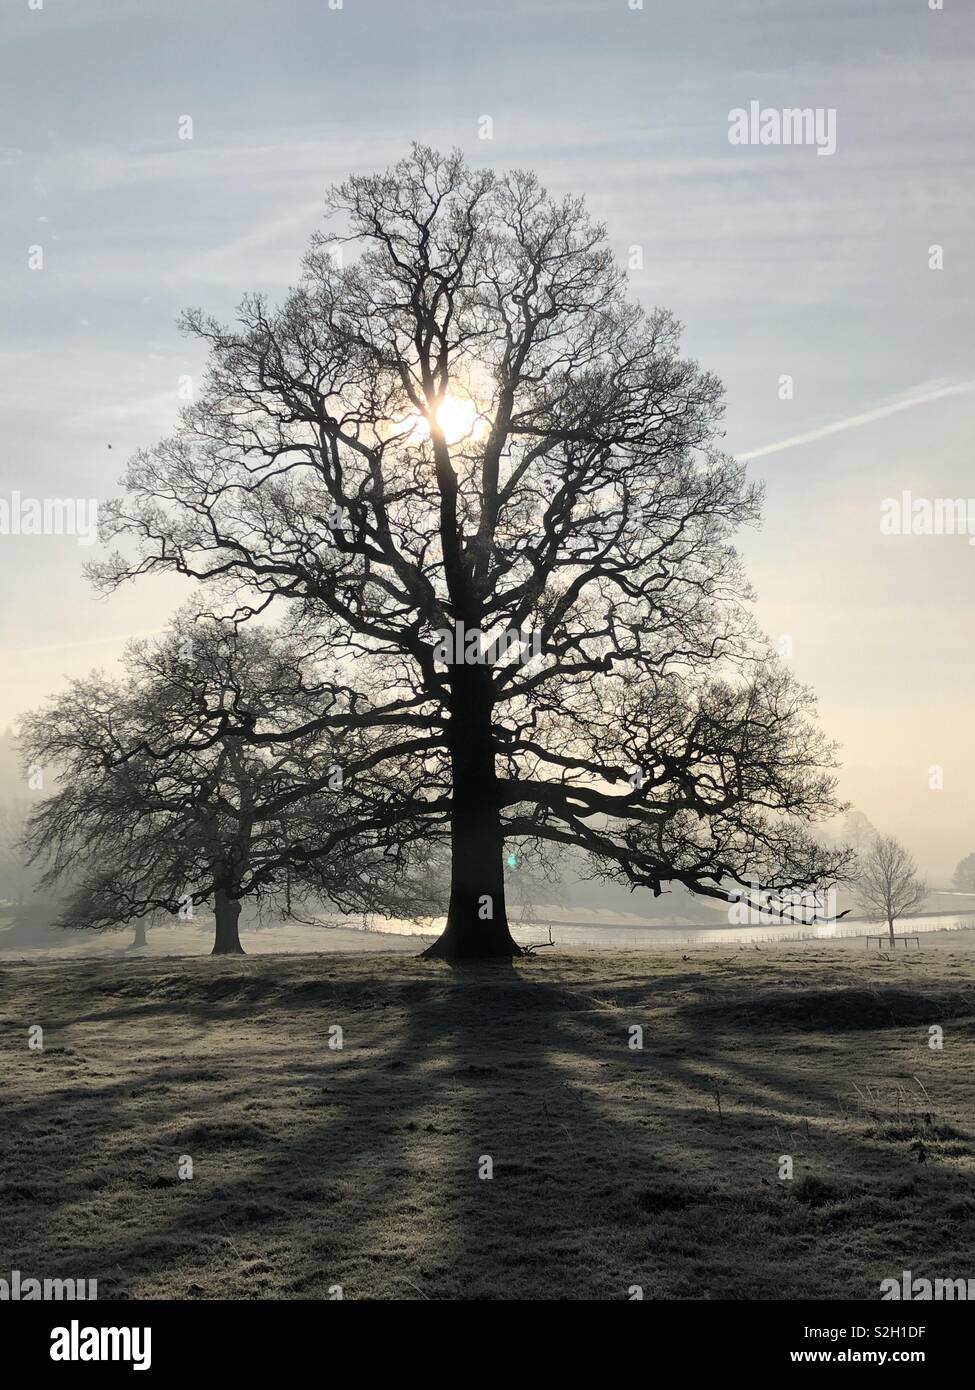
x: 477, y: 921
x: 890, y: 929
x: 226, y: 942
x: 139, y: 939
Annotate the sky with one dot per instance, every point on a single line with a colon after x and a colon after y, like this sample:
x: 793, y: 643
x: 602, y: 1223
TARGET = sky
x: 780, y: 261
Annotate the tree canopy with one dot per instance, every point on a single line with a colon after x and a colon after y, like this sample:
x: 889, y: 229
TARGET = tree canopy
x: 964, y: 877
x: 459, y: 423
x: 162, y: 805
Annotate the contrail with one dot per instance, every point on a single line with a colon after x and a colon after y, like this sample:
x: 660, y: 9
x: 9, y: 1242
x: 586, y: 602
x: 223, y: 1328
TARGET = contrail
x: 83, y: 642
x: 921, y: 395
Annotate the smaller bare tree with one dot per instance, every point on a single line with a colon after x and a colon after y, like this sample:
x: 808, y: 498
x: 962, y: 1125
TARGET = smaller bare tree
x: 887, y: 885
x: 161, y: 807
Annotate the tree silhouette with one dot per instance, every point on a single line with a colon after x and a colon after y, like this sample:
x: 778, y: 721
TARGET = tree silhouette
x: 964, y: 878
x: 858, y: 831
x: 162, y: 805
x: 14, y: 878
x: 887, y: 883
x: 493, y: 490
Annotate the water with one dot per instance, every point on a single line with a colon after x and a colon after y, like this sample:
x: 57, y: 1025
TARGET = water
x: 635, y: 938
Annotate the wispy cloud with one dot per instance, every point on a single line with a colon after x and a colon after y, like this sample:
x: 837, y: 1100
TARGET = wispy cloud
x: 83, y: 643
x: 920, y: 395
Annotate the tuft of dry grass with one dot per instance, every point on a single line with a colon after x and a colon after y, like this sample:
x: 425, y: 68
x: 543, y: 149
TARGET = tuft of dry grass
x: 315, y: 1167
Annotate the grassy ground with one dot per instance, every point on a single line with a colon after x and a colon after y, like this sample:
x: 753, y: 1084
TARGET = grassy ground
x: 612, y: 1167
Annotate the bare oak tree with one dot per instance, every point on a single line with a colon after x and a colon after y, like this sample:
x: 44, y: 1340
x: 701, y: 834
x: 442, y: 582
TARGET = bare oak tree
x: 886, y: 884
x: 493, y: 490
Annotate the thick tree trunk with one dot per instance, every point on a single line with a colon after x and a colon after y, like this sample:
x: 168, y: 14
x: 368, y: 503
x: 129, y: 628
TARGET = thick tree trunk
x: 890, y: 929
x: 477, y: 921
x: 140, y: 936
x: 226, y: 941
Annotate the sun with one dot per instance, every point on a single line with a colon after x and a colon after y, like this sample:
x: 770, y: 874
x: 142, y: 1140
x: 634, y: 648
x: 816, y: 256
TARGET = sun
x: 458, y: 418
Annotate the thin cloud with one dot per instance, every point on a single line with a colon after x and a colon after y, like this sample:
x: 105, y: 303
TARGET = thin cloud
x: 921, y: 395
x: 83, y: 643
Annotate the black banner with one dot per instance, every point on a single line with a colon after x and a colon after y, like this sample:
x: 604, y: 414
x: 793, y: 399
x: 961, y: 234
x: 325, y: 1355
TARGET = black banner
x: 146, y: 1338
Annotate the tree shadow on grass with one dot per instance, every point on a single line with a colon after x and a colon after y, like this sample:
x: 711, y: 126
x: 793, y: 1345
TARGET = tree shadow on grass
x: 485, y: 1132
x: 660, y: 1167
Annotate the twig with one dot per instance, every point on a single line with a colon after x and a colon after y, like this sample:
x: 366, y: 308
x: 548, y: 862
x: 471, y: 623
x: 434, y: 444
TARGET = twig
x: 232, y: 1246
x: 923, y: 1091
x: 530, y: 949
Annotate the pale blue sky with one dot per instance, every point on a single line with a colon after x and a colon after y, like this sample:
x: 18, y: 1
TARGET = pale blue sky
x: 777, y: 260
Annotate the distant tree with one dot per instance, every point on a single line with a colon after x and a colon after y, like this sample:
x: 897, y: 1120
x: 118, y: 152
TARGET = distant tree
x: 858, y: 831
x: 886, y: 883
x: 964, y: 879
x: 534, y: 879
x: 163, y: 805
x: 496, y: 493
x: 14, y: 873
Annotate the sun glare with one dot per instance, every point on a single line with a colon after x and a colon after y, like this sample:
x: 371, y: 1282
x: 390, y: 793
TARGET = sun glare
x: 458, y: 418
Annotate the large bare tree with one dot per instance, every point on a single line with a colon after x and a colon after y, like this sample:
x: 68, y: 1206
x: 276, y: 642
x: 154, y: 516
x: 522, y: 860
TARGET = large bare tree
x: 493, y: 490
x: 886, y: 884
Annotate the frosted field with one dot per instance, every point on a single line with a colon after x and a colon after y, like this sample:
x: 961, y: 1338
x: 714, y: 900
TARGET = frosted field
x: 359, y: 1167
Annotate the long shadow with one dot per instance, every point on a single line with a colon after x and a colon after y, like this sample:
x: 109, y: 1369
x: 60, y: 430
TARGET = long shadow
x: 341, y: 1151
x: 608, y: 1167
x: 555, y: 1154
